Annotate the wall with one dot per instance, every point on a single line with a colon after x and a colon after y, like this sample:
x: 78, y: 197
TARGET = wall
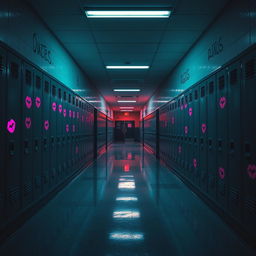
x: 233, y: 31
x: 128, y: 116
x: 22, y: 30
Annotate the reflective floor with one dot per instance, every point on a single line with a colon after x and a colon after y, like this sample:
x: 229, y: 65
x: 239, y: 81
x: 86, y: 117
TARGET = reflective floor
x: 126, y: 203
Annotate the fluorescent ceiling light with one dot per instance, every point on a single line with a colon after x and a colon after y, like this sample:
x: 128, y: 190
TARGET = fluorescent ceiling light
x: 94, y: 101
x: 127, y: 14
x: 126, y: 101
x: 128, y: 110
x: 127, y: 67
x: 127, y: 107
x: 161, y: 101
x: 126, y: 90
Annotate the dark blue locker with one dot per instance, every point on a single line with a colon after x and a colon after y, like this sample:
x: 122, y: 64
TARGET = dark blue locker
x: 222, y: 135
x: 68, y: 135
x: 46, y: 133
x: 27, y: 134
x: 37, y: 135
x: 13, y: 135
x: 234, y: 140
x: 59, y: 129
x: 64, y: 154
x: 186, y: 144
x: 249, y: 140
x: 53, y: 132
x: 190, y: 155
x: 196, y: 134
x: 203, y: 123
x: 3, y: 88
x: 211, y: 131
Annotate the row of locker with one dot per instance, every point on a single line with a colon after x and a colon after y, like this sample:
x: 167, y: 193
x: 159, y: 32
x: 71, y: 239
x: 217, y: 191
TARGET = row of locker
x: 207, y: 134
x: 47, y: 133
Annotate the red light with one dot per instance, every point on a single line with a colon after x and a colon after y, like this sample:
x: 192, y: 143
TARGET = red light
x: 126, y: 114
x: 129, y: 156
x: 126, y: 167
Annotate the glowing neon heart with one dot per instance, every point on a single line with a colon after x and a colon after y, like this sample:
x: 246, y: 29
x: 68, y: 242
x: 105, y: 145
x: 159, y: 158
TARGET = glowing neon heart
x: 67, y: 128
x: 173, y: 120
x: 64, y: 112
x: 70, y: 113
x: 190, y: 111
x: 186, y: 129
x: 54, y: 106
x: 28, y: 122
x: 46, y: 125
x: 60, y: 108
x: 38, y: 102
x: 251, y: 170
x: 11, y: 126
x: 203, y: 128
x: 74, y: 114
x: 179, y: 149
x: 194, y: 163
x: 222, y: 173
x: 28, y: 102
x: 222, y: 102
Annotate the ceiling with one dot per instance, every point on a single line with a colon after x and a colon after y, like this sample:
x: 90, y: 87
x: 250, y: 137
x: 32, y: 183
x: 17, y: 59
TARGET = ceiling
x: 95, y: 43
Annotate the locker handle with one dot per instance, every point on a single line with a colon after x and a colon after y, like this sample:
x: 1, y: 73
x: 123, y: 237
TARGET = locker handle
x: 210, y: 144
x: 45, y: 143
x: 247, y: 149
x: 52, y: 141
x: 232, y: 146
x: 36, y: 146
x: 220, y: 145
x: 195, y: 139
x: 11, y: 148
x: 26, y: 151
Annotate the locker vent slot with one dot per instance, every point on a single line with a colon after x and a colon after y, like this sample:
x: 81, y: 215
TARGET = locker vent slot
x: 250, y: 205
x: 28, y: 77
x: 53, y: 91
x: 1, y: 64
x: 179, y: 103
x: 211, y: 87
x: 77, y: 102
x: 27, y: 189
x: 234, y: 196
x: 65, y: 96
x: 13, y: 194
x: 233, y: 77
x: 38, y: 82
x: 59, y: 93
x: 190, y: 97
x: 202, y: 91
x: 196, y: 95
x: 14, y: 70
x: 186, y: 99
x: 250, y: 68
x: 73, y: 100
x: 69, y: 98
x: 221, y: 83
x: 46, y: 86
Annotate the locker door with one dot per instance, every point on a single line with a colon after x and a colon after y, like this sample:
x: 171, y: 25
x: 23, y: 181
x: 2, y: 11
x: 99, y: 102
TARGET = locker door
x: 64, y: 136
x: 211, y: 129
x: 46, y: 127
x: 183, y: 136
x: 13, y: 136
x: 27, y: 134
x: 203, y: 123
x: 189, y: 114
x: 53, y: 132
x: 3, y: 89
x: 37, y: 140
x: 249, y: 140
x: 222, y: 172
x: 234, y: 140
x: 59, y: 126
x: 68, y: 136
x: 185, y: 148
x: 196, y: 123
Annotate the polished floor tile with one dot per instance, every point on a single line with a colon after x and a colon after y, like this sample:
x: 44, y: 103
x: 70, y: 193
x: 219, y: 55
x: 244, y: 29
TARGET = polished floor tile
x: 126, y: 203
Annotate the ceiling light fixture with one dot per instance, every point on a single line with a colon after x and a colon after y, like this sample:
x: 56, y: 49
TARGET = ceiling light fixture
x: 126, y: 90
x: 127, y: 67
x: 127, y: 110
x: 127, y: 13
x: 126, y: 101
x: 127, y: 107
x: 161, y: 101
